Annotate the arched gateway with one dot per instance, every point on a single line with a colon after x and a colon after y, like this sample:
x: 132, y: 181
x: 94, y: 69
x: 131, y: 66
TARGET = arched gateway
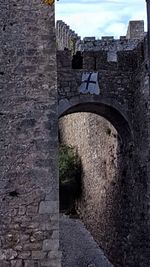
x: 113, y: 83
x: 96, y: 104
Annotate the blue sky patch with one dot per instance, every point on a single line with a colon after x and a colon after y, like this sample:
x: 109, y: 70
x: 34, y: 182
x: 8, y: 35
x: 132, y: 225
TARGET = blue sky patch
x: 100, y: 17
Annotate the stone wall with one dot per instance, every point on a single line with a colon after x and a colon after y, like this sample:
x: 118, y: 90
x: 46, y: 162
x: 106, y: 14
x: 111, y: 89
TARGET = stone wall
x: 115, y: 82
x: 140, y: 232
x: 28, y: 136
x: 124, y: 88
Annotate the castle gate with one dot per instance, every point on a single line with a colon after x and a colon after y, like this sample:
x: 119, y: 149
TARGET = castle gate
x: 121, y: 98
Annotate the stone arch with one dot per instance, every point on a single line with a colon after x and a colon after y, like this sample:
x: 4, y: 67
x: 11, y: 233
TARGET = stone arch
x: 117, y: 189
x: 107, y: 108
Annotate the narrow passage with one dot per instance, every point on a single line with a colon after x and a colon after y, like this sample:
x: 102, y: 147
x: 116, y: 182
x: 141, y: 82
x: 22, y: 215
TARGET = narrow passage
x: 78, y: 246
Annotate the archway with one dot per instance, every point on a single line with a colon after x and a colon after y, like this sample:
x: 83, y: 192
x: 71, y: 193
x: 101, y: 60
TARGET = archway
x: 107, y: 108
x: 113, y: 193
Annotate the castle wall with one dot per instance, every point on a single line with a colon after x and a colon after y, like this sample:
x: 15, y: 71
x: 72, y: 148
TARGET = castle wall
x: 114, y: 78
x: 68, y: 39
x: 124, y: 85
x: 28, y: 136
x: 139, y: 234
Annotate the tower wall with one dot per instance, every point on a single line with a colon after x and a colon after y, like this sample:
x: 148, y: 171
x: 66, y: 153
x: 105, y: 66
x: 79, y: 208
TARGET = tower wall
x: 28, y: 135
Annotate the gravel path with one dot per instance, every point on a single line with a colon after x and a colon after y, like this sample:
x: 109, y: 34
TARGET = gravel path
x: 78, y: 246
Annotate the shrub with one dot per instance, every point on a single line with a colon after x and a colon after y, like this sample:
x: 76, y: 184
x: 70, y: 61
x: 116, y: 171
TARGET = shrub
x: 69, y: 178
x: 69, y: 164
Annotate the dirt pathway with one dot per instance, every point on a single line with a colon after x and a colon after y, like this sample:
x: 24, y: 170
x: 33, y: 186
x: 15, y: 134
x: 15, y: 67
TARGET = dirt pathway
x: 78, y: 246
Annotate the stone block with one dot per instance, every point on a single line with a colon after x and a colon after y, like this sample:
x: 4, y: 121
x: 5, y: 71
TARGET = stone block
x: 22, y: 210
x: 112, y: 56
x: 8, y: 254
x: 55, y: 255
x: 48, y: 207
x: 24, y: 255
x: 32, y: 263
x: 16, y: 263
x: 52, y: 225
x: 107, y: 38
x: 51, y: 263
x: 31, y: 210
x: 4, y: 264
x: 50, y: 244
x: 37, y: 236
x: 55, y: 234
x: 38, y: 254
x: 89, y: 39
x: 32, y: 246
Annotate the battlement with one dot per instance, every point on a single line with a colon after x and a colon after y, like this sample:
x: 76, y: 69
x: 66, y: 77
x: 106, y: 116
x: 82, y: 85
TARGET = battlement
x: 108, y: 44
x: 128, y: 56
x: 68, y: 39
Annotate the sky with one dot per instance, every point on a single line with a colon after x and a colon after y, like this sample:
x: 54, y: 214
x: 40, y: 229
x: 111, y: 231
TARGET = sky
x: 100, y: 17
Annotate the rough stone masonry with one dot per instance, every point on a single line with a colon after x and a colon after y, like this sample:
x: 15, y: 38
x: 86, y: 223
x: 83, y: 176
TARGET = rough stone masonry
x: 114, y: 207
x: 28, y: 136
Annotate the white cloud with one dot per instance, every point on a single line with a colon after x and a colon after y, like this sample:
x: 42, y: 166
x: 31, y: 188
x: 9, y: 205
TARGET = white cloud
x: 100, y: 17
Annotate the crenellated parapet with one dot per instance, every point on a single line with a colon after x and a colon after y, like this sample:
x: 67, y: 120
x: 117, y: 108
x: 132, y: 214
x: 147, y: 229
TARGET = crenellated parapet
x: 66, y: 38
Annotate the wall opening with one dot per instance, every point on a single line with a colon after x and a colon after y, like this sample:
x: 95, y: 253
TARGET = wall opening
x: 90, y: 147
x: 105, y: 205
x: 77, y: 61
x: 103, y: 178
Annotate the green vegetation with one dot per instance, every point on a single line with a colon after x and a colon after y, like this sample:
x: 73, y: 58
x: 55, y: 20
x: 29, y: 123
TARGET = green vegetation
x: 69, y: 178
x: 69, y: 164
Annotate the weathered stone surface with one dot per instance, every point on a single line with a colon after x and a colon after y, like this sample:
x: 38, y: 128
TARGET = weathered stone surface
x: 16, y: 263
x: 32, y: 263
x: 37, y: 236
x: 65, y: 36
x: 48, y: 207
x: 39, y: 254
x: 8, y: 254
x: 32, y: 246
x: 51, y: 263
x: 55, y: 235
x: 4, y: 263
x: 24, y: 255
x: 96, y: 141
x: 124, y: 102
x: 28, y: 132
x: 50, y: 244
